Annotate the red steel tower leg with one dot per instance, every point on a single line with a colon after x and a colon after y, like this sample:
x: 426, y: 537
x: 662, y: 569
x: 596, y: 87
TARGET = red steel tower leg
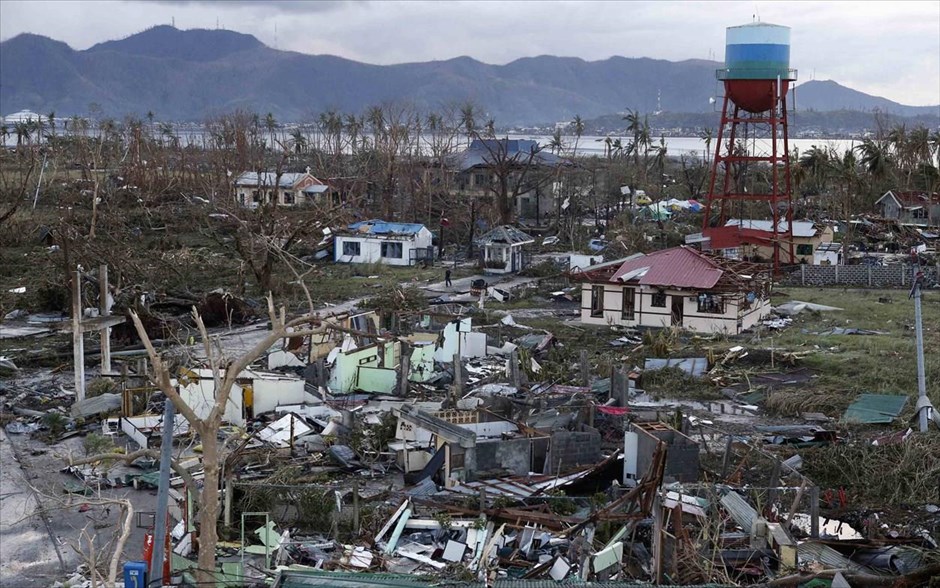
x: 770, y: 126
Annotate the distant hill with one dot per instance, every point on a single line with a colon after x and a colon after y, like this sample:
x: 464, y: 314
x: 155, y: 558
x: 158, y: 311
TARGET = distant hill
x: 827, y: 95
x: 189, y: 75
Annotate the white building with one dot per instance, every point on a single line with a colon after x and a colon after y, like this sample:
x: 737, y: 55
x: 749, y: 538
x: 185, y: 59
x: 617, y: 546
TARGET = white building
x: 503, y: 250
x: 293, y: 189
x: 675, y: 287
x: 254, y: 393
x: 377, y: 241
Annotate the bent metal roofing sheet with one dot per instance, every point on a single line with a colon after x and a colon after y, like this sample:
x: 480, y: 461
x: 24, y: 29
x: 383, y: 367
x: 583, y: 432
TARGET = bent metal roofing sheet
x: 679, y: 267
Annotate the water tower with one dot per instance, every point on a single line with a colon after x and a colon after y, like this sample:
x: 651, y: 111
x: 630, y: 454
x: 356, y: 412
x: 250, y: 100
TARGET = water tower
x: 752, y: 139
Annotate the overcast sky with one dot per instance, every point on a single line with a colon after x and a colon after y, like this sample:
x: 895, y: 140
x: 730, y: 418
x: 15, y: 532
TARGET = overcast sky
x: 889, y: 49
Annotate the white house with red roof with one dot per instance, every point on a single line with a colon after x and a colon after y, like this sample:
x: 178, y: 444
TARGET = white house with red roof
x: 910, y: 208
x: 679, y: 287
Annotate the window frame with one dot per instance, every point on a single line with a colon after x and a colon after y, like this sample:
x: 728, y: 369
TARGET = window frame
x: 707, y: 303
x: 628, y: 311
x: 597, y: 301
x: 350, y: 244
x: 665, y: 299
x: 801, y: 249
x: 389, y: 246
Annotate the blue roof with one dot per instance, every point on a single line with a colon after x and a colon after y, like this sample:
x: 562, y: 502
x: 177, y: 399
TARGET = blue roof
x: 380, y: 227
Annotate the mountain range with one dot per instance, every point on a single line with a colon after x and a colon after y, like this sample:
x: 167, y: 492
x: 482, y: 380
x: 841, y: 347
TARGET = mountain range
x: 192, y: 74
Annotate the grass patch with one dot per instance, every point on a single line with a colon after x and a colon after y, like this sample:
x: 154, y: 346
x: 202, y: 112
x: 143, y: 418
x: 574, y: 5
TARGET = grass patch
x: 902, y: 474
x: 847, y: 365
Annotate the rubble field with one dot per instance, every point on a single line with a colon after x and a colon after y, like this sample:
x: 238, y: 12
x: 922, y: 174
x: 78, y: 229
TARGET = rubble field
x: 468, y: 435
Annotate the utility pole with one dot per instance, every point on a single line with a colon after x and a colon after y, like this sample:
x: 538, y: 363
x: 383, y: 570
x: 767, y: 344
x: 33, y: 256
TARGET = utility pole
x: 163, y: 496
x: 919, y: 330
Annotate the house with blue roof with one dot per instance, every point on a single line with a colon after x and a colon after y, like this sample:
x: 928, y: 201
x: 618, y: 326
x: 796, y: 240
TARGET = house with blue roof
x: 378, y: 241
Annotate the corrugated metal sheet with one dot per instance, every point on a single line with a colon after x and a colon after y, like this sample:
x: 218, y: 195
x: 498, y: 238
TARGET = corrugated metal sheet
x: 679, y: 267
x: 694, y: 366
x: 267, y: 179
x: 800, y: 228
x: 875, y: 408
x: 506, y: 234
x: 829, y: 557
x: 380, y: 227
x: 742, y: 512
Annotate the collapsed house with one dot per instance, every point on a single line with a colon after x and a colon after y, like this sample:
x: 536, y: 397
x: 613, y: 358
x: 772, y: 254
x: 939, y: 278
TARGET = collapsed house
x: 254, y: 189
x: 920, y: 209
x: 678, y: 287
x: 755, y: 240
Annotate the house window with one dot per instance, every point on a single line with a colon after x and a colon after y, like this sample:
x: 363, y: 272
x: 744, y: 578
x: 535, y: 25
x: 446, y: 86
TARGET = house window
x: 479, y: 179
x: 919, y: 213
x: 626, y: 312
x: 351, y: 248
x: 288, y: 197
x: 711, y: 303
x: 659, y: 300
x: 256, y: 196
x: 597, y: 301
x: 804, y: 249
x: 392, y: 250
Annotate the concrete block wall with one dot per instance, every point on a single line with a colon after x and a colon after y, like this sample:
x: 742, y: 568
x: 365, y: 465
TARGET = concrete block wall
x: 505, y: 455
x: 569, y: 449
x: 682, y: 453
x: 863, y: 276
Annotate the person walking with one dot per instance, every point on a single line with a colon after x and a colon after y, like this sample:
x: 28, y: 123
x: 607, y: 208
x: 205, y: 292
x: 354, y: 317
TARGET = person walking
x: 447, y: 282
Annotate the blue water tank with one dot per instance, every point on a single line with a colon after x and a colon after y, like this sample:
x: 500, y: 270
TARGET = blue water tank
x: 135, y: 574
x: 757, y: 51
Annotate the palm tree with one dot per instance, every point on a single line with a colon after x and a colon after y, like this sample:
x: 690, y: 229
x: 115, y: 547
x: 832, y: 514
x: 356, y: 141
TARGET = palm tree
x: 816, y: 163
x: 491, y: 128
x: 616, y: 148
x: 634, y: 127
x: 660, y: 160
x: 876, y: 159
x: 299, y: 141
x: 706, y: 135
x: 578, y: 131
x: 51, y: 118
x: 353, y: 128
x: 608, y: 147
x: 556, y: 144
x: 270, y: 123
x: 468, y: 119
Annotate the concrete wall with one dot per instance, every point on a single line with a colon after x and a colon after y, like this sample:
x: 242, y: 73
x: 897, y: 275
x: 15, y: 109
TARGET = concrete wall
x: 347, y: 372
x: 682, y: 453
x: 570, y: 449
x: 882, y: 276
x: 512, y: 455
x: 268, y: 392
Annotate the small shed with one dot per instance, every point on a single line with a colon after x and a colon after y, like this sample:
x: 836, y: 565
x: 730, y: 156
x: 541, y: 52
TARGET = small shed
x: 828, y: 254
x: 503, y: 250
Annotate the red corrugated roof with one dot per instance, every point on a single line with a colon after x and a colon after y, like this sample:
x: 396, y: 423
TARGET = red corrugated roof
x: 679, y: 267
x: 735, y: 236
